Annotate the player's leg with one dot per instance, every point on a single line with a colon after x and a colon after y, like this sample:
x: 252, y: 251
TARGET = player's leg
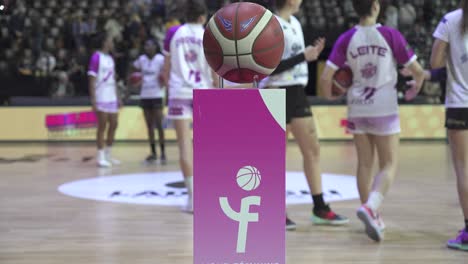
x: 100, y: 139
x: 150, y: 117
x: 459, y: 147
x: 159, y: 117
x: 387, y: 152
x: 181, y: 111
x: 365, y: 150
x: 113, y: 124
x: 304, y: 131
x: 184, y: 143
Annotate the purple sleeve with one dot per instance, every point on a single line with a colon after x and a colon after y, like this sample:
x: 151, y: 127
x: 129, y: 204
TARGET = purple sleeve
x: 338, y: 56
x: 93, y: 67
x: 167, y: 41
x: 400, y: 47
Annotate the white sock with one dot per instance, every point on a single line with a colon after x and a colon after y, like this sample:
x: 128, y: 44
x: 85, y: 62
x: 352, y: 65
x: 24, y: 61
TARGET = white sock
x: 189, y: 185
x: 374, y: 201
x: 101, y: 154
x: 108, y: 150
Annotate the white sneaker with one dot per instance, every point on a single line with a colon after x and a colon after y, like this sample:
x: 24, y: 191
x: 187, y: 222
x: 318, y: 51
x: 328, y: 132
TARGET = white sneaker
x: 102, y: 163
x: 110, y: 159
x: 113, y: 161
x: 370, y: 221
x: 188, y: 208
x: 380, y: 222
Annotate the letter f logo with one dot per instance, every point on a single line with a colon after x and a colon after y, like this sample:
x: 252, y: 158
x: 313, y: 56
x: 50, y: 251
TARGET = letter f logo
x: 244, y: 217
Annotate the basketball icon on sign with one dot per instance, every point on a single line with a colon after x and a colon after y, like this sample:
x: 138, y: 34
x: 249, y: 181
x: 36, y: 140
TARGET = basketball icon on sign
x: 248, y: 178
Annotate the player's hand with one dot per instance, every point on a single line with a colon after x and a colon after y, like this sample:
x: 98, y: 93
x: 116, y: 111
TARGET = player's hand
x: 121, y: 103
x: 413, y: 91
x: 406, y: 72
x: 312, y: 52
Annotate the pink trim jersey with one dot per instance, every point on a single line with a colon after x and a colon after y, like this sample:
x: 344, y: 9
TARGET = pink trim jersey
x: 457, y: 60
x: 151, y: 69
x: 102, y: 67
x: 189, y: 68
x: 372, y: 53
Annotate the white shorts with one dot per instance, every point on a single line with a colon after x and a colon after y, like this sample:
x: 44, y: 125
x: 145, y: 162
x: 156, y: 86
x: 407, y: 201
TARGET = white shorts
x: 180, y: 109
x: 379, y: 126
x: 108, y: 107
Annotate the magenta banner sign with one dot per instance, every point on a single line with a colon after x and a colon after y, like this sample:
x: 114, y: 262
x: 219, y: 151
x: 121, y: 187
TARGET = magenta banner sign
x: 239, y: 176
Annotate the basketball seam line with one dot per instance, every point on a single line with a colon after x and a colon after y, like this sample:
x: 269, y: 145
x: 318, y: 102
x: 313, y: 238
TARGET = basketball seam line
x: 266, y: 50
x: 235, y: 35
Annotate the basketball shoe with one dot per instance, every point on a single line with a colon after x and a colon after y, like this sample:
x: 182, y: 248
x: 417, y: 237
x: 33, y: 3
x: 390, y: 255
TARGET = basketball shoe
x: 371, y: 222
x: 290, y: 225
x: 460, y: 242
x: 326, y: 216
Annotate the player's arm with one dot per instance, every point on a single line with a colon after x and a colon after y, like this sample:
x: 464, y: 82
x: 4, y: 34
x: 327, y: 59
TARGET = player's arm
x: 93, y: 69
x: 415, y: 85
x: 326, y: 82
x: 439, y: 54
x: 92, y: 91
x: 311, y: 53
x: 336, y: 60
x: 434, y: 75
x: 166, y: 70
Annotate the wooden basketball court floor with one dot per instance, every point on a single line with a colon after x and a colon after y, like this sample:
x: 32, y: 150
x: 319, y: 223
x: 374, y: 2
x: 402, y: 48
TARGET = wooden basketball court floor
x: 42, y: 226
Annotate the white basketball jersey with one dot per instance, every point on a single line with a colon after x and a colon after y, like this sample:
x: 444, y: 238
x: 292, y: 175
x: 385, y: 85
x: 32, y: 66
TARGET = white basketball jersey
x: 294, y: 44
x: 102, y: 67
x: 151, y: 70
x: 449, y: 30
x: 372, y: 53
x: 189, y: 68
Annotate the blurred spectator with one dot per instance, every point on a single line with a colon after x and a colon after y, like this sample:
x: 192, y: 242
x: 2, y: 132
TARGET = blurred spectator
x: 407, y: 15
x: 114, y: 28
x: 76, y: 27
x: 17, y: 22
x: 77, y: 73
x: 26, y: 63
x: 37, y: 33
x: 157, y: 30
x: 46, y: 63
x: 62, y: 85
x: 391, y: 16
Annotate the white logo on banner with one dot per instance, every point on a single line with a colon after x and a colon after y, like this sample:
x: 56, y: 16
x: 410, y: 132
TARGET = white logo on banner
x: 248, y: 178
x: 167, y: 188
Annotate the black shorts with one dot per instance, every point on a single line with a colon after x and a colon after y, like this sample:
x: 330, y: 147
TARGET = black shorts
x: 456, y: 118
x: 297, y: 105
x: 153, y: 103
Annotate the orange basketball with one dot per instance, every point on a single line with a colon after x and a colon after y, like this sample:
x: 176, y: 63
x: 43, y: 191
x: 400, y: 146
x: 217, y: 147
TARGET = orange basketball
x: 342, y: 81
x: 243, y: 40
x: 135, y: 79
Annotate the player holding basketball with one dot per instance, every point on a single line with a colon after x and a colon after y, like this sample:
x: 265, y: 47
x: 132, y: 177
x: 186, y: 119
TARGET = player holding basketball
x: 372, y: 51
x: 188, y: 69
x: 451, y: 50
x: 104, y: 98
x: 292, y: 74
x: 151, y: 64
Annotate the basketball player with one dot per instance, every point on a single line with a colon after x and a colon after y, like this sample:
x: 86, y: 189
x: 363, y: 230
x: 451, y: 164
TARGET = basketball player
x: 151, y: 64
x: 451, y: 50
x: 372, y: 51
x: 104, y: 98
x: 186, y: 69
x: 292, y: 75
